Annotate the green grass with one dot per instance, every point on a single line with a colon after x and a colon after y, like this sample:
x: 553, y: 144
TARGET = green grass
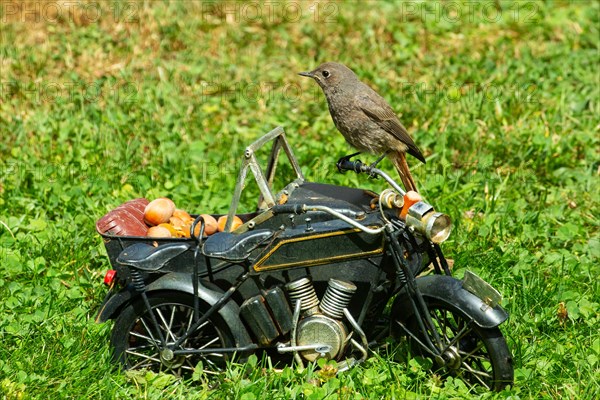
x: 123, y: 100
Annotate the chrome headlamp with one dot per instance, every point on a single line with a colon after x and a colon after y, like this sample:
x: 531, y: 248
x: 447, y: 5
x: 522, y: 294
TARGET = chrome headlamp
x: 424, y: 219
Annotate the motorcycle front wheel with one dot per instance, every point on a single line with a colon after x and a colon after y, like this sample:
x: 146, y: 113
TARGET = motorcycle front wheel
x: 136, y: 338
x: 478, y: 356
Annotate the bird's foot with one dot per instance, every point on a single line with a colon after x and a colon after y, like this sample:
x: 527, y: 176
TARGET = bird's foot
x: 381, y: 157
x: 374, y: 165
x: 369, y: 170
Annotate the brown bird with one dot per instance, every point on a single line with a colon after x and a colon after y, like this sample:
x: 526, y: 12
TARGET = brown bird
x: 366, y: 120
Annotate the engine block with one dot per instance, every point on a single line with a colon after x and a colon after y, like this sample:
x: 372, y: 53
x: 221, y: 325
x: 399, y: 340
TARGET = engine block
x: 321, y: 322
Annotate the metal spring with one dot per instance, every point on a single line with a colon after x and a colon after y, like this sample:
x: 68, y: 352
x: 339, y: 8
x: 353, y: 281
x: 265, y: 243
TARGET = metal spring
x: 303, y: 290
x: 137, y: 280
x: 336, y: 298
x: 401, y: 277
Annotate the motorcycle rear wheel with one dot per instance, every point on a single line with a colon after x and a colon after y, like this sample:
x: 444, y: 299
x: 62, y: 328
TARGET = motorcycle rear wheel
x: 478, y: 356
x: 136, y: 341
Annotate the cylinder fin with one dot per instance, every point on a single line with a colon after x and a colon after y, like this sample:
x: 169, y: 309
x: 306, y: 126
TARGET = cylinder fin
x: 336, y: 298
x: 303, y: 290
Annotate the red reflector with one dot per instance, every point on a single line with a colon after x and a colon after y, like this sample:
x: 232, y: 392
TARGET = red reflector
x: 110, y: 276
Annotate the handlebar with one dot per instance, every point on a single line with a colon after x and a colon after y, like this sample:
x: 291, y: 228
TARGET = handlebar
x: 289, y: 209
x: 344, y: 164
x: 366, y: 229
x: 421, y: 216
x: 359, y: 167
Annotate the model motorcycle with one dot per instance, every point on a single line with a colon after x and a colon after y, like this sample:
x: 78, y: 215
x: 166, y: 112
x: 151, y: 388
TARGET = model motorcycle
x: 317, y: 271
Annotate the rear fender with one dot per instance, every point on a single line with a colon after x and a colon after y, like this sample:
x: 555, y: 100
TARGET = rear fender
x: 180, y: 282
x: 450, y: 290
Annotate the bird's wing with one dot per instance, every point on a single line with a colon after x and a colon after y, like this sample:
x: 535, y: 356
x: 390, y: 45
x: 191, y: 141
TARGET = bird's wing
x: 384, y: 116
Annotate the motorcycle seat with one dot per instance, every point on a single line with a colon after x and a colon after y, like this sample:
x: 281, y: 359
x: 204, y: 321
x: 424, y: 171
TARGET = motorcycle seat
x: 235, y: 247
x: 149, y: 258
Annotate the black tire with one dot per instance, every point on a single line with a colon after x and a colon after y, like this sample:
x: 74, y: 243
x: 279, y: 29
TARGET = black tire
x: 478, y: 356
x: 136, y: 342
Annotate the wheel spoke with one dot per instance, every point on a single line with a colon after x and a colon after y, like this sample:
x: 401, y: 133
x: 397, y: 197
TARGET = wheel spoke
x: 154, y: 341
x: 216, y: 339
x: 208, y: 371
x: 471, y: 354
x: 172, y: 318
x: 145, y: 347
x: 190, y: 322
x: 441, y: 325
x: 139, y: 335
x: 464, y: 345
x: 173, y: 321
x: 458, y: 336
x: 477, y: 375
x: 153, y: 357
x: 144, y: 364
x: 210, y: 362
x: 198, y: 330
x: 478, y: 372
x: 445, y: 325
x: 166, y: 326
x: 188, y: 361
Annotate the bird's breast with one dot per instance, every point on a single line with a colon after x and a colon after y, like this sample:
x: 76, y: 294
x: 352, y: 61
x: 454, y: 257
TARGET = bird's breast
x: 357, y: 128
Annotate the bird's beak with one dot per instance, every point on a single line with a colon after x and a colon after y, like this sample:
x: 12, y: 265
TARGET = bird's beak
x: 308, y: 74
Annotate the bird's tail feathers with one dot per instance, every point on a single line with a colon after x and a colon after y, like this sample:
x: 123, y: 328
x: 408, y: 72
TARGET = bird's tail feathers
x: 399, y: 160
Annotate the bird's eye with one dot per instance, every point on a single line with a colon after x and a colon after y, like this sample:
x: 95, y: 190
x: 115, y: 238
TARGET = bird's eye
x: 326, y: 74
